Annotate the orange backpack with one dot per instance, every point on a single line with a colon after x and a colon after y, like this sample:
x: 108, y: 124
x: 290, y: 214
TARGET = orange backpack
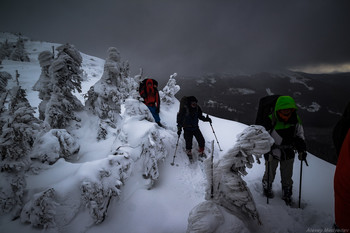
x: 149, y: 92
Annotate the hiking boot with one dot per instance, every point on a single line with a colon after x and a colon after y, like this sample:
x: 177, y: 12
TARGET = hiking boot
x: 201, y: 153
x: 287, y: 192
x: 267, y: 190
x: 189, y: 154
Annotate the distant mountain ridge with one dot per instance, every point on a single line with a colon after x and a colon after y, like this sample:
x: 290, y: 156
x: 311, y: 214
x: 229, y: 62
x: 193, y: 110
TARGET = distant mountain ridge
x: 321, y: 99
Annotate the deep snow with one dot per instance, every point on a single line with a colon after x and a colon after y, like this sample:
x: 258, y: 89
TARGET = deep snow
x: 166, y: 207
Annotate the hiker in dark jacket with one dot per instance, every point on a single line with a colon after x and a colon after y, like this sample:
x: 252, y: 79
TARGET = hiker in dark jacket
x: 187, y: 118
x: 288, y: 134
x: 149, y: 92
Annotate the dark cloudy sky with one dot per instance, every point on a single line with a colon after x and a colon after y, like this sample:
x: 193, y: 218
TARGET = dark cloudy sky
x: 192, y: 37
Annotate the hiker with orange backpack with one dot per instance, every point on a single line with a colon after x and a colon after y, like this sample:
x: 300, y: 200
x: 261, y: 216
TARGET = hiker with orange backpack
x: 149, y: 92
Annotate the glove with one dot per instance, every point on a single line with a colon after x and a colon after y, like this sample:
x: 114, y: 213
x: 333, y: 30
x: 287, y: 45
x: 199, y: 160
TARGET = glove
x: 208, y: 119
x: 302, y: 155
x: 179, y: 129
x: 299, y: 144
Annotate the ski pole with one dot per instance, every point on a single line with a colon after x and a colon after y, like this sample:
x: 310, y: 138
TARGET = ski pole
x: 177, y: 143
x: 215, y: 135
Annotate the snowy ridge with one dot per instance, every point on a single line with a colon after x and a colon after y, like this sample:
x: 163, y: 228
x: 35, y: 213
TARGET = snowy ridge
x: 125, y: 183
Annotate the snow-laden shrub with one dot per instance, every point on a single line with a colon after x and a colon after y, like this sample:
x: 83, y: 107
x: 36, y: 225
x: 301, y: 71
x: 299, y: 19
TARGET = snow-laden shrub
x: 53, y: 145
x: 12, y: 192
x: 167, y: 95
x: 233, y: 192
x: 225, y: 179
x: 153, y: 152
x: 40, y: 211
x: 202, y: 222
x: 135, y: 109
x: 97, y: 191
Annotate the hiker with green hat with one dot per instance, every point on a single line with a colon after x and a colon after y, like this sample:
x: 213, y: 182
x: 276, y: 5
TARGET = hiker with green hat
x: 288, y: 133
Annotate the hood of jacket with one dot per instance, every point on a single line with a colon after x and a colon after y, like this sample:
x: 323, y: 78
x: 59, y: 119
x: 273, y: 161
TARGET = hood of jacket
x: 285, y: 102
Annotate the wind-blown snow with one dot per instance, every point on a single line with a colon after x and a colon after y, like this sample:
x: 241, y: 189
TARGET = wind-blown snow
x: 167, y: 205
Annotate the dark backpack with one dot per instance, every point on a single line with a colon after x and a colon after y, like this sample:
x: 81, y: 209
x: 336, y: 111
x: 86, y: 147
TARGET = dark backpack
x: 185, y: 102
x: 266, y: 107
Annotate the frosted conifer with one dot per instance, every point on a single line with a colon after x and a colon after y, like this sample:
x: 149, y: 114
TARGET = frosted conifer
x: 65, y: 77
x: 18, y: 135
x: 19, y: 53
x: 5, y: 50
x: 43, y: 84
x: 106, y: 96
x: 167, y: 95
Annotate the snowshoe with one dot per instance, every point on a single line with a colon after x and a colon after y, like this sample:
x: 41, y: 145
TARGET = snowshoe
x: 190, y: 156
x: 202, y: 157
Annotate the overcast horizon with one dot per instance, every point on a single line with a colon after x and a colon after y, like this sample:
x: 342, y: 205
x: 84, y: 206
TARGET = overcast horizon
x: 194, y: 37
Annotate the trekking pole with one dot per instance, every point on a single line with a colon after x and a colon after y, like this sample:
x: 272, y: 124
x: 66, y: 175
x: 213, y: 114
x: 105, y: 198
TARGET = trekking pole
x: 212, y: 170
x: 215, y: 135
x: 301, y: 175
x: 268, y: 178
x: 177, y: 143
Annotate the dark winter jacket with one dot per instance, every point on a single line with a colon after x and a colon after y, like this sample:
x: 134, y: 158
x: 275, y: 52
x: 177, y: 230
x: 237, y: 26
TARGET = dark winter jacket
x: 189, y: 117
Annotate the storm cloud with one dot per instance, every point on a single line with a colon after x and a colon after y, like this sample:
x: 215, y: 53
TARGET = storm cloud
x: 192, y: 37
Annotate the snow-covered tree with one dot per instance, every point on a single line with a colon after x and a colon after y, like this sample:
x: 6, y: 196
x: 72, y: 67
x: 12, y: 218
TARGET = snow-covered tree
x: 167, y: 95
x: 18, y: 135
x: 230, y: 191
x: 4, y: 76
x: 106, y: 96
x: 43, y: 84
x: 19, y: 53
x: 5, y: 50
x: 65, y: 77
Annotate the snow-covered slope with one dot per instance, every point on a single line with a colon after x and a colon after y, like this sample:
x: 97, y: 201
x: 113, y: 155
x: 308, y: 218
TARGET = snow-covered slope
x: 166, y: 206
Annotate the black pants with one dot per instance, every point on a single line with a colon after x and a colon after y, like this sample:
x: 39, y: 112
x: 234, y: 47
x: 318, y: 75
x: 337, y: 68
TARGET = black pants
x: 188, y: 135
